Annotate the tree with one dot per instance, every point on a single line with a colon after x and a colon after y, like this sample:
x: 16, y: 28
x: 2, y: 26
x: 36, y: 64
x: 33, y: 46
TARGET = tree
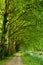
x: 4, y: 27
x: 21, y: 21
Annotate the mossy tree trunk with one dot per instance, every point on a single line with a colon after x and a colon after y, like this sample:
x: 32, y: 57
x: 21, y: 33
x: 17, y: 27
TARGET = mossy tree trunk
x: 4, y: 29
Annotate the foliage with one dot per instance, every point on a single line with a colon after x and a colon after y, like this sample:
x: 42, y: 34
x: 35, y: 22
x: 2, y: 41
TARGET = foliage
x: 22, y: 20
x: 32, y: 59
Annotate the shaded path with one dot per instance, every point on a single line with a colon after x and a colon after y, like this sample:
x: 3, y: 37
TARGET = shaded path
x: 15, y: 60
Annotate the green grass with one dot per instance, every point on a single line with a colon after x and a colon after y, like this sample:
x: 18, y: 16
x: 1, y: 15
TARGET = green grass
x: 6, y: 59
x: 32, y: 60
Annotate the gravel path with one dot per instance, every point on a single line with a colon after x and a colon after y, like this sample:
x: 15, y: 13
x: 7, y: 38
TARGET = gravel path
x: 15, y: 60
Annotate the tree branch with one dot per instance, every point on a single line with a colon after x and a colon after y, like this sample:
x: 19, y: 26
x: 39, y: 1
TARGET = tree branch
x: 22, y: 27
x: 17, y: 18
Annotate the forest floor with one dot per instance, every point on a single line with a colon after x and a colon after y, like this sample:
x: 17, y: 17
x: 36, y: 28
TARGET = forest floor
x: 15, y: 60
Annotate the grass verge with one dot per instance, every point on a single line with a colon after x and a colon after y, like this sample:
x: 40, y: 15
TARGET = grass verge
x: 31, y: 60
x: 2, y: 62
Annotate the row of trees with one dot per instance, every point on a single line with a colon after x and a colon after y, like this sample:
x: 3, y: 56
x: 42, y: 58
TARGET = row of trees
x: 21, y: 21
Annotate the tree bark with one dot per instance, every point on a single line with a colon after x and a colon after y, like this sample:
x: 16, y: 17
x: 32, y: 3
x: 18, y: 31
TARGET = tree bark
x: 4, y: 30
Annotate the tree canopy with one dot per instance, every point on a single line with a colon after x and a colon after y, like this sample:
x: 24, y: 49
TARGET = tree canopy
x: 22, y: 21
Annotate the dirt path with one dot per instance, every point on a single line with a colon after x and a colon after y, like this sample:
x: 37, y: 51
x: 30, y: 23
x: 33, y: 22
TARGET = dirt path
x: 15, y: 60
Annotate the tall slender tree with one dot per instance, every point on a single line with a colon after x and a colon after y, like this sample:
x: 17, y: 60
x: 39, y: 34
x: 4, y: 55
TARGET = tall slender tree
x: 4, y: 27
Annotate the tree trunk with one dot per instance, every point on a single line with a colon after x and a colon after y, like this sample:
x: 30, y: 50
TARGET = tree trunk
x: 4, y: 30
